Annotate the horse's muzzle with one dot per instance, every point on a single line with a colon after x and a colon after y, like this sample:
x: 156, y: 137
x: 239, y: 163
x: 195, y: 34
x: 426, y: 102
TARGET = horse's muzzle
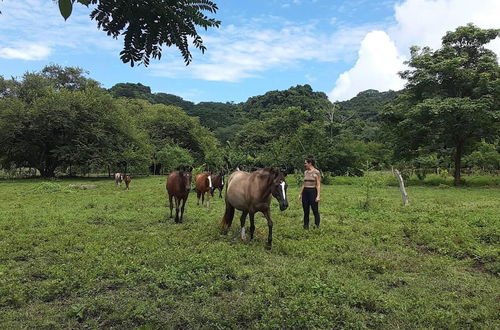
x: 283, y: 206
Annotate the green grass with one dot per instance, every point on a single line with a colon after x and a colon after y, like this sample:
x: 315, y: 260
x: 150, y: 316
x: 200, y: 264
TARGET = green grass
x: 110, y: 258
x: 430, y: 180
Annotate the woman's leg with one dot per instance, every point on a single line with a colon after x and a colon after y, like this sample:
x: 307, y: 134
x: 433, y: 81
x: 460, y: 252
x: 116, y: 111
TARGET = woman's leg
x: 305, y: 206
x: 314, y: 206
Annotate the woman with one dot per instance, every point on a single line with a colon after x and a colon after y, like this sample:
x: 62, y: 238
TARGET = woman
x: 310, y: 191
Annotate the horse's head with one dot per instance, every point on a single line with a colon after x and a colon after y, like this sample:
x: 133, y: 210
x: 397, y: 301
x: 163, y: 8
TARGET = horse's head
x: 187, y: 177
x: 279, y: 188
x: 209, y: 182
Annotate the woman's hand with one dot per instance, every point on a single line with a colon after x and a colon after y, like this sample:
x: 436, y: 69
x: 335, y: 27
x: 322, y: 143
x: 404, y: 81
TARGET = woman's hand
x: 300, y: 197
x: 317, y: 199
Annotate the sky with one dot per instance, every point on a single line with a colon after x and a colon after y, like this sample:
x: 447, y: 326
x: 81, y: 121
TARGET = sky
x: 338, y: 47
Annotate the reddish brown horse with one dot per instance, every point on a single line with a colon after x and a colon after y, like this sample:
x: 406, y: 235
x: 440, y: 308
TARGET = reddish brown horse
x: 127, y: 180
x: 204, y: 186
x: 251, y: 193
x: 218, y: 183
x: 178, y: 186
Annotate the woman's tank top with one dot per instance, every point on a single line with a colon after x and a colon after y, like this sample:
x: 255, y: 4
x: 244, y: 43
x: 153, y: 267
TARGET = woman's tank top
x: 310, y: 178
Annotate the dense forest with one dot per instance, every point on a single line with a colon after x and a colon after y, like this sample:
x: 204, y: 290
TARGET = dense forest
x: 61, y: 122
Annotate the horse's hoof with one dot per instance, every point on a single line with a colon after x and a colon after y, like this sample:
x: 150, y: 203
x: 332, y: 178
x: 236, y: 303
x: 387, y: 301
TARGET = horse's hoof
x: 268, y: 246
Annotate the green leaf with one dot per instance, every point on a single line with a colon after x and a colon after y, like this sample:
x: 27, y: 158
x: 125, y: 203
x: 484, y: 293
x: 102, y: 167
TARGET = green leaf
x: 65, y: 7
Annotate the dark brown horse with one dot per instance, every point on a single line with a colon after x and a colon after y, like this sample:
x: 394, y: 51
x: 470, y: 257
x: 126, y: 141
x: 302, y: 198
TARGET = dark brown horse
x: 204, y: 186
x: 127, y: 180
x: 251, y: 193
x: 218, y: 183
x: 178, y: 186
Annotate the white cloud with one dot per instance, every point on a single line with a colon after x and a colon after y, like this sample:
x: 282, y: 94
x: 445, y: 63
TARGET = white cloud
x: 425, y: 22
x: 376, y: 68
x: 28, y: 52
x: 34, y: 29
x: 235, y: 53
x: 418, y: 22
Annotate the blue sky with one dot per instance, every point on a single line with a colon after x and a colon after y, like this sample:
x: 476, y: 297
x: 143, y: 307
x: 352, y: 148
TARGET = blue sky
x: 338, y: 47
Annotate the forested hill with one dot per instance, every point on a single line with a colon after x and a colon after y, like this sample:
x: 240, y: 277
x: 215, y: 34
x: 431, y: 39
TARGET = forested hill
x: 223, y: 118
x: 367, y: 104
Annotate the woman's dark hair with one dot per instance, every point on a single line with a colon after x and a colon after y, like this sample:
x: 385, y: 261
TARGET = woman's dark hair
x: 311, y: 160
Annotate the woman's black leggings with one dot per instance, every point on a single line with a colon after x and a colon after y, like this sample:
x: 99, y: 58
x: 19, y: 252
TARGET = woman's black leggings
x: 309, y: 200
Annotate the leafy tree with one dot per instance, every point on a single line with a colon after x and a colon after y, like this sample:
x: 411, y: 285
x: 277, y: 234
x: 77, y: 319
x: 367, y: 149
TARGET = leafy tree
x: 62, y: 128
x: 52, y: 78
x: 169, y: 126
x: 172, y: 156
x: 170, y: 99
x: 132, y: 91
x: 299, y: 96
x: 486, y: 156
x: 147, y: 25
x: 70, y: 78
x: 451, y: 99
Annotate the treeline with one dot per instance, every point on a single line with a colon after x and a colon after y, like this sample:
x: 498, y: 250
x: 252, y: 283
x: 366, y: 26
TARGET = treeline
x: 60, y: 121
x: 279, y: 128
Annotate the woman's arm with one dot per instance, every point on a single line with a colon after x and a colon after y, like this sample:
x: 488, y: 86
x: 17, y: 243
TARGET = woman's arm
x: 318, y: 187
x: 300, y: 192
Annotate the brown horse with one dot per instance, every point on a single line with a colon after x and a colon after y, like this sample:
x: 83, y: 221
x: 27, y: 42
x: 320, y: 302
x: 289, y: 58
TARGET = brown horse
x: 204, y: 185
x: 127, y: 180
x: 251, y: 193
x: 218, y: 183
x: 178, y: 186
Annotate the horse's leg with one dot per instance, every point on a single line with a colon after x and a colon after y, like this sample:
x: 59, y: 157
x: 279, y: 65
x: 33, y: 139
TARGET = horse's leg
x: 267, y: 214
x: 177, y: 202
x: 171, y: 204
x: 227, y: 219
x: 182, y: 207
x: 252, y: 225
x: 242, y: 222
x: 220, y: 192
x: 203, y: 198
x: 198, y: 195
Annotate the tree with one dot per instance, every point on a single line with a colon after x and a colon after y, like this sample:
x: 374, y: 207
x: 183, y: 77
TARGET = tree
x: 147, y: 25
x: 59, y: 118
x: 451, y: 99
x: 63, y: 128
x: 172, y: 156
x: 486, y: 156
x: 170, y: 126
x: 132, y: 91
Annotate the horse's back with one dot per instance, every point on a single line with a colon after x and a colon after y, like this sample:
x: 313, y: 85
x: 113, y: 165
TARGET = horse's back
x: 173, y: 183
x: 201, y: 182
x: 238, y: 185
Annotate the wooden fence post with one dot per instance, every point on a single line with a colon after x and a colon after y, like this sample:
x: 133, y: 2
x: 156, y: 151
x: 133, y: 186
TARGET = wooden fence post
x: 402, y: 189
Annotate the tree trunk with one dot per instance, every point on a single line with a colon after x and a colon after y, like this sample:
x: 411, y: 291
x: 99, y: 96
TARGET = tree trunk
x: 458, y: 164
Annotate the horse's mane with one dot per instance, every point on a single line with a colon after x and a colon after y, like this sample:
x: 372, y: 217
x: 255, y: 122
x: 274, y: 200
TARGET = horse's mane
x: 271, y: 173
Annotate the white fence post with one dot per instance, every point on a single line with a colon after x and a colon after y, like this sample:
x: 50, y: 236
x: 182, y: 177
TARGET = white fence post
x: 402, y: 187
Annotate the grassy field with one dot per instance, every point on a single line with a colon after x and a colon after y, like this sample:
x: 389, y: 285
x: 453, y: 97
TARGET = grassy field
x: 110, y: 258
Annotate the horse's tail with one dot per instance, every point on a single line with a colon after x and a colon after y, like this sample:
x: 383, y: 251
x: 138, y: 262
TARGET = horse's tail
x: 227, y: 219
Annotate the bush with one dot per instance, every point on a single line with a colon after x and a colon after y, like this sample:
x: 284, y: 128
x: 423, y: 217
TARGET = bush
x: 49, y: 187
